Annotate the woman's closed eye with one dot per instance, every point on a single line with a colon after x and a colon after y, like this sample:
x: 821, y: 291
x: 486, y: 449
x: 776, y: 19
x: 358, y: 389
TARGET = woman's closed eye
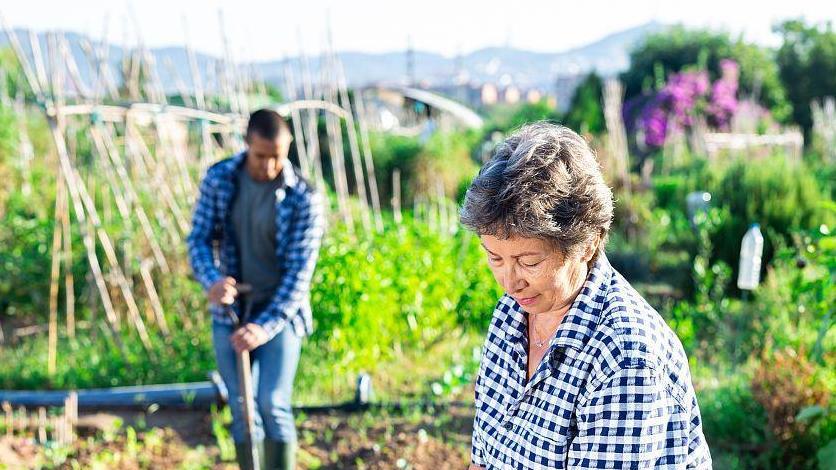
x: 530, y: 262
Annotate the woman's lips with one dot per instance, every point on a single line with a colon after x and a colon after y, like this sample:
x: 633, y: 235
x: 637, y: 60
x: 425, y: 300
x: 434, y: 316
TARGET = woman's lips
x: 527, y: 300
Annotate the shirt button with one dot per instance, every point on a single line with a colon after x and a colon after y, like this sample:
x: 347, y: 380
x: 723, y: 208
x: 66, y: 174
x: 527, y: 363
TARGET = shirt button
x: 508, y: 425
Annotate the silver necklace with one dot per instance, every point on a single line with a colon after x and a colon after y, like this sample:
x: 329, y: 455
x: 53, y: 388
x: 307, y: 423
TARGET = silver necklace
x: 537, y: 342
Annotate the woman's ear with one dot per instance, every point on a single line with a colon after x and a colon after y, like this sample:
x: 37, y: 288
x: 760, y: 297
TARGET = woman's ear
x: 590, y: 250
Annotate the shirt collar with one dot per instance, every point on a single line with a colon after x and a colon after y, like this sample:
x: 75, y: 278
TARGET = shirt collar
x: 580, y: 321
x: 288, y: 173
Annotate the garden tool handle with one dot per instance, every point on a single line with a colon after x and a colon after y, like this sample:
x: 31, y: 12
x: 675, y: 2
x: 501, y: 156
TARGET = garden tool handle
x: 243, y: 290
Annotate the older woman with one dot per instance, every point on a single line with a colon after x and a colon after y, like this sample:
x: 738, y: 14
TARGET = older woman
x: 578, y: 371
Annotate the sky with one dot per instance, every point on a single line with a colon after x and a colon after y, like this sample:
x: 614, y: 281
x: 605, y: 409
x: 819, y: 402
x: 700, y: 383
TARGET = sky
x: 260, y: 30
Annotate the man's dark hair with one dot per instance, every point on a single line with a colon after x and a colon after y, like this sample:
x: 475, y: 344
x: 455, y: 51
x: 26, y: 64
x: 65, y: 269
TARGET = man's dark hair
x: 267, y: 123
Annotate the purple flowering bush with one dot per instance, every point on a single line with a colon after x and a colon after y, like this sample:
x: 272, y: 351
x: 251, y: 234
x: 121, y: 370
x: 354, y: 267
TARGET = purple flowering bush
x: 685, y: 96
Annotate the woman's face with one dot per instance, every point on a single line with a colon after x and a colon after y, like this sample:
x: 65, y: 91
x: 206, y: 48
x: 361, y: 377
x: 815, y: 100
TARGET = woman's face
x: 536, y: 275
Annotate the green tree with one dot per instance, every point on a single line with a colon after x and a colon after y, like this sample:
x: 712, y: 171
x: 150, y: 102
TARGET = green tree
x: 585, y: 111
x: 807, y: 64
x: 508, y: 118
x: 13, y: 74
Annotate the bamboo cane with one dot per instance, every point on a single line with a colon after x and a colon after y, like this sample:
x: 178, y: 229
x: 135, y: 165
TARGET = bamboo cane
x: 119, y: 277
x: 55, y: 273
x: 160, y: 186
x: 369, y: 160
x: 104, y: 143
x: 22, y: 58
x: 72, y: 68
x: 72, y: 183
x: 299, y: 139
x: 335, y: 145
x: 40, y: 69
x: 25, y: 144
x: 69, y: 283
x: 156, y: 305
x: 197, y: 80
x: 311, y: 125
x: 342, y: 99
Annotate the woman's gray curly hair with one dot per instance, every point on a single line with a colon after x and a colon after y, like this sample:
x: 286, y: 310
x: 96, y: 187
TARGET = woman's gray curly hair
x: 542, y: 182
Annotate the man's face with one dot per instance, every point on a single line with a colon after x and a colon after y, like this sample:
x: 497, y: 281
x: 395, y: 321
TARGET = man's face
x: 266, y: 157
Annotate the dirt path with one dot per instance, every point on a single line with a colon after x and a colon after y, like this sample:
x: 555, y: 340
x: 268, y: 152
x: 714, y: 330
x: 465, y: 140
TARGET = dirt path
x: 419, y: 439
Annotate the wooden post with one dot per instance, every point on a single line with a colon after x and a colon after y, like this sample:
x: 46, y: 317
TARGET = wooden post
x: 443, y: 223
x: 70, y: 416
x: 616, y: 133
x: 396, y: 195
x: 22, y: 420
x: 9, y: 418
x: 42, y: 425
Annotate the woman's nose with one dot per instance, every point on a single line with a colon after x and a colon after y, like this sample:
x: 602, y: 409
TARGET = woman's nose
x: 512, y: 282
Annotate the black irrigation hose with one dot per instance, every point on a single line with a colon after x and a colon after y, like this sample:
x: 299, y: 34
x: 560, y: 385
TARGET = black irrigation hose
x: 201, y: 395
x: 392, y: 406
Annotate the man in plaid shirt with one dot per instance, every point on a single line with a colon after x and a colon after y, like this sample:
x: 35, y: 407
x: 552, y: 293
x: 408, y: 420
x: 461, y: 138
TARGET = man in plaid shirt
x: 578, y: 371
x: 258, y: 222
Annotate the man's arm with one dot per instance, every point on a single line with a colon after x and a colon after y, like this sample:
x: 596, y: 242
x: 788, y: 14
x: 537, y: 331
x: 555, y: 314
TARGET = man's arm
x: 301, y: 254
x: 204, y: 220
x: 623, y: 424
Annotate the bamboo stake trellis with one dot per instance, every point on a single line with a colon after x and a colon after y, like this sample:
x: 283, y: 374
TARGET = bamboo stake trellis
x: 149, y: 171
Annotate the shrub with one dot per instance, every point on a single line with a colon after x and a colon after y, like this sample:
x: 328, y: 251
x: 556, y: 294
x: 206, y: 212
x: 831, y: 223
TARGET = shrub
x: 780, y: 196
x: 785, y: 383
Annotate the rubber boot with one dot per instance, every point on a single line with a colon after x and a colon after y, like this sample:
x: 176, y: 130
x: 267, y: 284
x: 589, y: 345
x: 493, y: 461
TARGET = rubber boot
x: 279, y: 455
x: 243, y: 455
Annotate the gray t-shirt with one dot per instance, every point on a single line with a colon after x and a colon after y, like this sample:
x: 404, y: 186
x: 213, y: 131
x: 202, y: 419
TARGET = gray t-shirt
x: 254, y: 219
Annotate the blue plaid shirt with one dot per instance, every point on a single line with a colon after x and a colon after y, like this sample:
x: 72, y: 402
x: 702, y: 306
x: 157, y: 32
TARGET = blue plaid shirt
x: 613, y: 390
x: 300, y: 223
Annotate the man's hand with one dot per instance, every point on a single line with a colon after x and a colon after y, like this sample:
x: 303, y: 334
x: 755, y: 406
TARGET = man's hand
x: 248, y: 337
x: 223, y: 292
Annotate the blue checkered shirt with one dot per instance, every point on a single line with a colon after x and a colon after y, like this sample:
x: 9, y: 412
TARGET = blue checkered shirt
x: 613, y: 390
x: 300, y: 223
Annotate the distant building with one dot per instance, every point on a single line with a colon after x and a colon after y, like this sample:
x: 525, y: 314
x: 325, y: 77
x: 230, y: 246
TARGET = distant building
x: 511, y: 95
x: 481, y: 95
x: 488, y: 95
x: 533, y: 96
